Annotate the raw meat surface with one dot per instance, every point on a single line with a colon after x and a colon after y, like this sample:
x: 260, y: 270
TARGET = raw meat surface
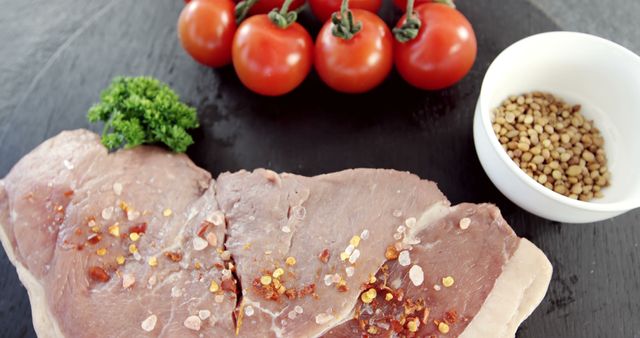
x: 272, y: 217
x: 68, y: 192
x: 142, y: 243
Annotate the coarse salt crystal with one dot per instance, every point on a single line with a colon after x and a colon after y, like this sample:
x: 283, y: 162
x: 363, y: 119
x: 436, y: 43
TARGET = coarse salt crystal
x: 193, y: 323
x: 150, y: 323
x: 248, y: 310
x: 117, y: 188
x: 68, y: 164
x: 350, y: 271
x: 286, y: 229
x: 107, y: 213
x: 437, y: 287
x: 204, y: 314
x: 199, y: 244
x: 464, y: 223
x: 218, y: 298
x: 397, y: 236
x: 323, y: 318
x: 128, y: 280
x: 401, y: 229
x: 416, y: 275
x: 354, y: 256
x: 217, y: 218
x: 212, y: 239
x: 364, y: 234
x: 404, y: 259
x: 298, y: 309
x: 132, y: 215
x: 410, y: 222
x: 292, y: 315
x: 397, y: 213
x: 336, y: 278
x: 328, y: 280
x: 225, y: 255
x: 349, y: 249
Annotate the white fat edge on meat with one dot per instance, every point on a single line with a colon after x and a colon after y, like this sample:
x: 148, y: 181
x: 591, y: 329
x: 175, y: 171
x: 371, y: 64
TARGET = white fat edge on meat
x: 434, y: 212
x: 516, y: 293
x: 44, y: 323
x: 278, y: 331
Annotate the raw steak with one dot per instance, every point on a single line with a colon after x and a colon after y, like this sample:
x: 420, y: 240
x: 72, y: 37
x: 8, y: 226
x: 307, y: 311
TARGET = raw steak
x: 144, y: 243
x: 60, y: 207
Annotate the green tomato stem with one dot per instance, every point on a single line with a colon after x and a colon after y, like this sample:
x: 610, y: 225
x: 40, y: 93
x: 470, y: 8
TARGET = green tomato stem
x: 242, y: 9
x: 283, y: 18
x: 411, y: 26
x: 344, y: 24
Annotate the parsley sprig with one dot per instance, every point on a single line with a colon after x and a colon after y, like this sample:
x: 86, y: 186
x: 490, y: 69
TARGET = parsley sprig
x: 143, y: 110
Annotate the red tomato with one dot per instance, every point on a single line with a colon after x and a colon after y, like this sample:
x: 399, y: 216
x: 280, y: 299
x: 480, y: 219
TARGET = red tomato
x: 443, y: 52
x: 206, y: 28
x: 359, y: 64
x: 270, y: 60
x: 323, y: 9
x: 265, y: 6
x: 402, y: 4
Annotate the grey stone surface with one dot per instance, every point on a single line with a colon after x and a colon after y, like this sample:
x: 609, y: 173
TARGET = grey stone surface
x: 616, y: 20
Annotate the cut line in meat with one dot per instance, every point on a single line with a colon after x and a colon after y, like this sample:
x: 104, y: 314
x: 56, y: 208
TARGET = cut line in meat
x: 144, y: 243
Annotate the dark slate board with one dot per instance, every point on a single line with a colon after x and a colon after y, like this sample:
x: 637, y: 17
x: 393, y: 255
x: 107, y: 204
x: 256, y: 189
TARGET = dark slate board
x: 595, y: 290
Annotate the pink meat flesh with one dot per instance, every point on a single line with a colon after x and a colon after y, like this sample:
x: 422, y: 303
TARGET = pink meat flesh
x: 143, y: 243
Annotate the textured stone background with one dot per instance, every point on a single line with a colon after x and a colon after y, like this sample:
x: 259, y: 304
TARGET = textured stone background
x: 616, y: 20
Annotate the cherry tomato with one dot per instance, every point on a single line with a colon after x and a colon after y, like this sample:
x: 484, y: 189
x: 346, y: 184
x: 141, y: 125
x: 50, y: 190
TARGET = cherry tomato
x: 443, y: 52
x: 402, y: 4
x: 359, y: 64
x: 206, y: 28
x: 323, y: 9
x: 270, y: 60
x: 265, y: 6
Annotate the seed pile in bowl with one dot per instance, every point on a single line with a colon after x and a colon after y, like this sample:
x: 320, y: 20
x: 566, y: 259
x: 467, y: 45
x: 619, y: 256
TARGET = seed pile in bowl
x: 553, y: 143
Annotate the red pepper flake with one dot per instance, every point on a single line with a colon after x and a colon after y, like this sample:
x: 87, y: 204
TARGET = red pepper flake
x: 78, y: 231
x: 228, y: 285
x: 291, y: 294
x: 203, y: 227
x: 218, y: 265
x: 451, y: 317
x: 324, y: 256
x: 140, y: 228
x: 68, y: 193
x: 174, y: 256
x: 98, y: 274
x: 94, y: 239
x: 308, y: 290
x: 342, y: 287
x: 396, y: 326
x: 79, y: 247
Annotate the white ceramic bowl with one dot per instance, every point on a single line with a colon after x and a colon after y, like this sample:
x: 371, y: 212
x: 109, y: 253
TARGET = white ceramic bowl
x: 582, y: 69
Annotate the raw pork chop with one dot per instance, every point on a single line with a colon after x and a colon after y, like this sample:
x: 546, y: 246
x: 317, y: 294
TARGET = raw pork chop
x: 143, y: 243
x: 104, y: 243
x: 425, y: 268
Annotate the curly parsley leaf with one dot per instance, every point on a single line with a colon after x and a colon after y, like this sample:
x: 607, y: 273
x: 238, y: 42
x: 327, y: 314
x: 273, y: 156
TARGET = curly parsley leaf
x: 143, y: 110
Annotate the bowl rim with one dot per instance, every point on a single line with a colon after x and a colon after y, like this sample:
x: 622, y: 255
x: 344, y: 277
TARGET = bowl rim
x: 624, y: 205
